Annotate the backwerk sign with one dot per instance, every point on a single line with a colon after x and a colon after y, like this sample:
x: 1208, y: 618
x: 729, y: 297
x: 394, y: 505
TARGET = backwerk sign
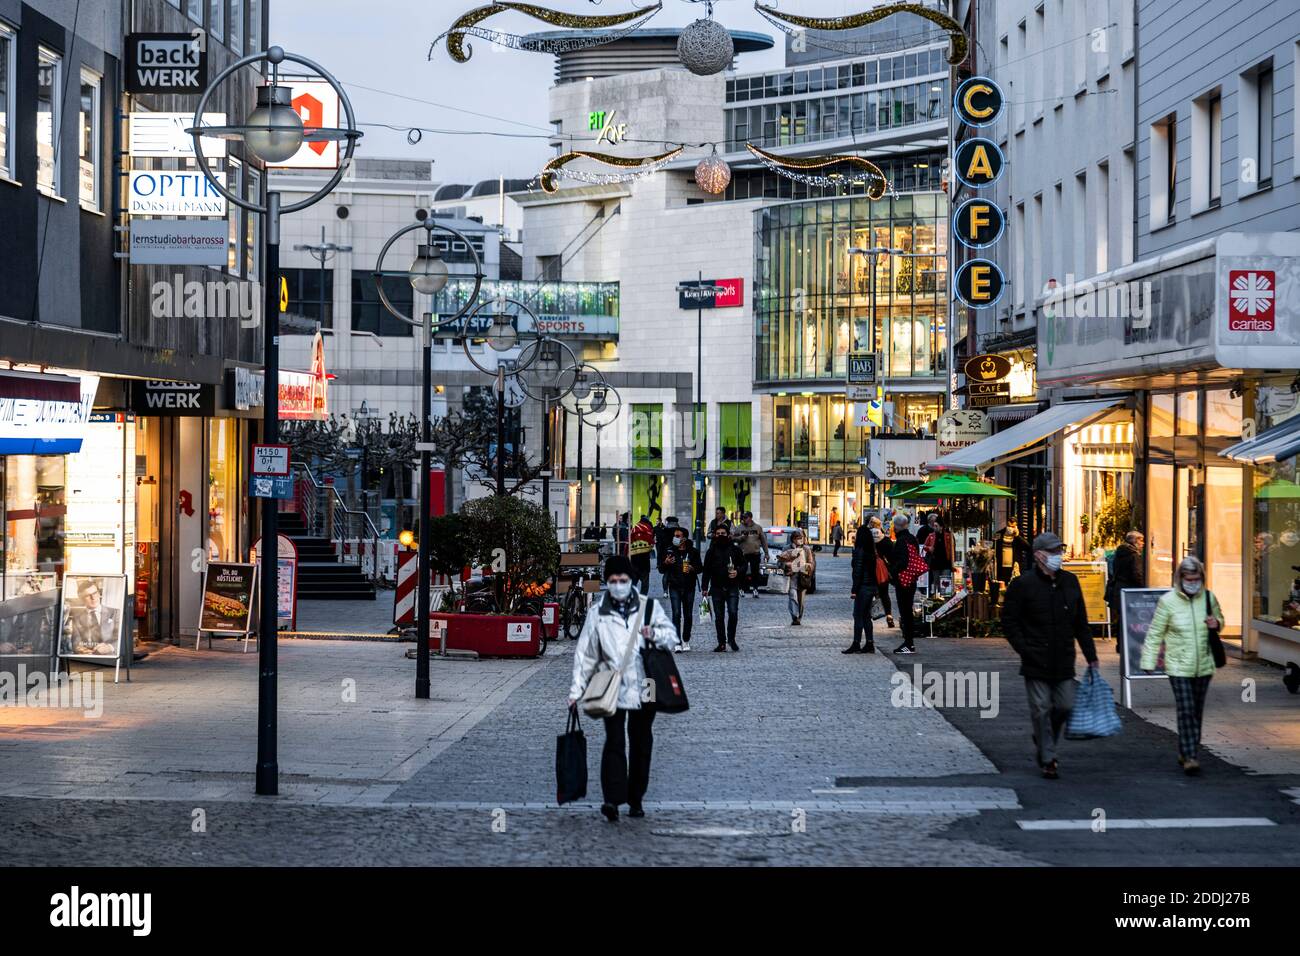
x: 166, y: 63
x: 172, y: 399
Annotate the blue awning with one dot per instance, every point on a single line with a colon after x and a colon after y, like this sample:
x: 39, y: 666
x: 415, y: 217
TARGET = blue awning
x: 1276, y: 444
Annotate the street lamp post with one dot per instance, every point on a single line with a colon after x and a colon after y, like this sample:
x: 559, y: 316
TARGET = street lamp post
x: 272, y: 133
x: 428, y: 275
x: 322, y: 253
x: 699, y: 289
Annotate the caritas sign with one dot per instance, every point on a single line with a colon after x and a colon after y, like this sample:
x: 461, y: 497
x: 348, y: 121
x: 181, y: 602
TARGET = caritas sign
x: 1252, y: 300
x: 695, y: 294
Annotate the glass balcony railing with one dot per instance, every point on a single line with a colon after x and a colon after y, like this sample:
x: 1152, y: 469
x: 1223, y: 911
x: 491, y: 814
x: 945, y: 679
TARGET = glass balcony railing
x: 562, y: 308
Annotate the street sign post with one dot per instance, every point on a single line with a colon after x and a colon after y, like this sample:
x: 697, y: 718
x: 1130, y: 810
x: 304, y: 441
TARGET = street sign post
x: 271, y: 460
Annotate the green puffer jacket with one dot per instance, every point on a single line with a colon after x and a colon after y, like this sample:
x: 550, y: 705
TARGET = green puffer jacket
x: 1179, y: 627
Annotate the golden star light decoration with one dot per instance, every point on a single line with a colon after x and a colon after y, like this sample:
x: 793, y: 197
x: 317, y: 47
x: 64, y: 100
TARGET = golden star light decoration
x: 806, y: 169
x: 790, y: 23
x: 628, y: 168
x: 468, y: 25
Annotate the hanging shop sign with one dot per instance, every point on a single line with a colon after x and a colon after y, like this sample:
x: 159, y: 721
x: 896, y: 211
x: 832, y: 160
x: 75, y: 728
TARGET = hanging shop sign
x: 987, y: 394
x: 166, y: 63
x: 244, y: 388
x: 979, y: 283
x: 304, y: 396
x: 696, y: 294
x: 978, y: 101
x: 179, y: 242
x: 863, y: 368
x: 173, y: 399
x: 163, y: 136
x: 978, y: 223
x: 978, y: 162
x: 175, y: 193
x: 317, y: 102
x: 43, y: 414
x: 987, y: 368
x: 960, y: 428
x: 899, y: 459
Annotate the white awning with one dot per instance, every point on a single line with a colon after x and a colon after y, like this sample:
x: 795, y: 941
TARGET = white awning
x: 995, y: 449
x: 1276, y: 444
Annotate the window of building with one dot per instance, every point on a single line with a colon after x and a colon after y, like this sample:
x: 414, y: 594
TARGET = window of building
x: 235, y: 183
x: 217, y: 19
x: 735, y: 436
x: 1255, y: 129
x: 254, y: 25
x: 194, y: 10
x: 8, y: 47
x: 1164, y: 171
x: 1207, y: 151
x: 89, y: 145
x: 49, y: 70
x: 1101, y: 201
x: 311, y: 293
x: 236, y: 37
x: 369, y: 314
x: 253, y: 227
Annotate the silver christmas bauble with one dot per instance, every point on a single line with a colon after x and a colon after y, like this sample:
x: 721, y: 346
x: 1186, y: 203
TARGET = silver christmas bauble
x: 713, y: 175
x: 705, y: 48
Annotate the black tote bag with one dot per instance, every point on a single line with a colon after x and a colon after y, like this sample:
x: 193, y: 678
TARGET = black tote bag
x: 661, y: 667
x: 571, y: 762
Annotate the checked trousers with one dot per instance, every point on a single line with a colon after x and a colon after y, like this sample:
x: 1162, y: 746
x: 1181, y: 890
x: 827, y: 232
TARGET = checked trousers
x: 1189, y: 697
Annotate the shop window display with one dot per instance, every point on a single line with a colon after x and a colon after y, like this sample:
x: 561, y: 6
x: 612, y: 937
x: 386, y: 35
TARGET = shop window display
x: 1276, y: 507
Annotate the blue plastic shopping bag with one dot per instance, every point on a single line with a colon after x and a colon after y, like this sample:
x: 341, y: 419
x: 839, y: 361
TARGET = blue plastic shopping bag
x: 1094, y: 709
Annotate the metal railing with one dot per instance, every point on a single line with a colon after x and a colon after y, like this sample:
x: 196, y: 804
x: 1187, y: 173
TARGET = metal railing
x: 352, y: 533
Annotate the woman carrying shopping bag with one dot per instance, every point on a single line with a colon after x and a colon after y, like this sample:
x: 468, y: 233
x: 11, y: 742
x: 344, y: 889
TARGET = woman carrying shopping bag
x: 799, y: 564
x: 1186, y: 628
x: 623, y: 622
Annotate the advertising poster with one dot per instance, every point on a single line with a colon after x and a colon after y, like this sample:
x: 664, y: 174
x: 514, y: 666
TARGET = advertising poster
x: 90, y: 622
x: 1137, y: 607
x: 227, y: 598
x: 1092, y: 580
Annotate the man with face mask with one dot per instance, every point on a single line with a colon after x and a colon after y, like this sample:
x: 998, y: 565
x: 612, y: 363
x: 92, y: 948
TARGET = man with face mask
x: 721, y: 582
x: 681, y: 565
x: 1043, y: 616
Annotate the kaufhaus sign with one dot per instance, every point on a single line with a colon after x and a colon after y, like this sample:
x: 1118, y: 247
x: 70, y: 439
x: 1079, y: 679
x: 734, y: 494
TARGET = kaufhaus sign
x: 174, y: 193
x: 1229, y: 302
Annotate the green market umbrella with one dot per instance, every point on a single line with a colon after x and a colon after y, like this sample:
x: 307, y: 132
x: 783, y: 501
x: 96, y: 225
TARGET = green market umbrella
x: 903, y: 490
x: 1277, y: 488
x: 961, y: 486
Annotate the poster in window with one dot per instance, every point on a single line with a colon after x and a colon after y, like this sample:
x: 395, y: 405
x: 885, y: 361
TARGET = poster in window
x: 90, y: 622
x: 227, y: 598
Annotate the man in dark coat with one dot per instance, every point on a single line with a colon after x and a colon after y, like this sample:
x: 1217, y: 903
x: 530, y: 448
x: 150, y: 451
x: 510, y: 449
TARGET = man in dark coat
x: 681, y: 565
x: 863, y: 592
x: 721, y: 582
x: 1129, y: 572
x: 664, y: 534
x: 1043, y: 617
x: 905, y: 544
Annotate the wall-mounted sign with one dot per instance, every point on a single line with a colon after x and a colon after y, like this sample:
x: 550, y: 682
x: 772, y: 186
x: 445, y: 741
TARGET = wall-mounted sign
x: 163, y: 136
x: 987, y: 368
x: 979, y: 283
x: 173, y: 399
x: 179, y: 242
x: 960, y: 428
x: 987, y: 394
x: 304, y: 395
x: 166, y: 63
x: 979, y: 162
x: 1252, y: 294
x: 863, y: 368
x: 270, y: 460
x: 694, y: 294
x: 899, y: 459
x: 175, y: 193
x: 318, y: 104
x: 42, y: 414
x: 244, y: 388
x: 978, y: 223
x: 606, y: 127
x: 978, y: 101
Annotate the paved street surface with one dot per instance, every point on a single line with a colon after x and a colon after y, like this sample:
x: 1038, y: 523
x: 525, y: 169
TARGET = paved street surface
x: 791, y: 753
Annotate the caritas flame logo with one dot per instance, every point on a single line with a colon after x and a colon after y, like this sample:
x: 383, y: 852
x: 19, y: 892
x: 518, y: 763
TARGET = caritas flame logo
x: 1252, y: 297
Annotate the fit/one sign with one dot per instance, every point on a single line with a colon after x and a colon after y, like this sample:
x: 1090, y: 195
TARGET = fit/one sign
x: 172, y: 399
x: 166, y: 63
x: 863, y: 368
x: 987, y: 368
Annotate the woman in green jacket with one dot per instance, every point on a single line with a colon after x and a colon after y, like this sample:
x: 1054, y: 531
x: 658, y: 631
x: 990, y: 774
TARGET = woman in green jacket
x: 1181, y: 629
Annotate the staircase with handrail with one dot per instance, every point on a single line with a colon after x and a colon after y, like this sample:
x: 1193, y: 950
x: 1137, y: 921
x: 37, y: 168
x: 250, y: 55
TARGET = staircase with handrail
x: 338, y: 546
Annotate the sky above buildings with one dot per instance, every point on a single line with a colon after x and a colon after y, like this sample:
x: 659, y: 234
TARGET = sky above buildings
x: 380, y: 49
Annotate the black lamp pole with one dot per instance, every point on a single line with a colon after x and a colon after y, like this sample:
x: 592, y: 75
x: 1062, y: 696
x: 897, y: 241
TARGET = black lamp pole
x: 426, y: 509
x: 268, y: 762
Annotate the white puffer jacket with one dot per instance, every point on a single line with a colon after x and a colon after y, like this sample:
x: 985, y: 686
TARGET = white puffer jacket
x: 605, y: 637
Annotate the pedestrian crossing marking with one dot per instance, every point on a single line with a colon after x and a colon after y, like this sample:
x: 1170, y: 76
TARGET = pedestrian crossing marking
x: 1154, y: 823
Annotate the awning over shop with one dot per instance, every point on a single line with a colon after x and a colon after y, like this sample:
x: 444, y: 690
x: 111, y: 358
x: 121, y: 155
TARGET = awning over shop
x: 1276, y: 444
x: 44, y: 414
x: 995, y: 449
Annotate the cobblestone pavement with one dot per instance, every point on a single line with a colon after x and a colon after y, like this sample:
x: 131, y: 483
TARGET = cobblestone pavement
x: 791, y: 754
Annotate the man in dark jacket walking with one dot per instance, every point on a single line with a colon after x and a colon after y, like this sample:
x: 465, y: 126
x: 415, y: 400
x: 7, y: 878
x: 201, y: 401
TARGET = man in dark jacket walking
x: 1129, y: 572
x: 681, y: 565
x: 905, y: 545
x: 863, y: 593
x: 1043, y: 617
x: 721, y: 582
x: 665, y: 531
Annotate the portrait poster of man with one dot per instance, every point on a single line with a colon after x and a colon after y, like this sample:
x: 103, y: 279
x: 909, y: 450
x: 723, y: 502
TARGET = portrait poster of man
x: 90, y: 625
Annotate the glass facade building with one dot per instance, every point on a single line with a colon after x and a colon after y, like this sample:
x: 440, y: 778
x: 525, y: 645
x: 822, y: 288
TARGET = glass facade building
x: 813, y: 302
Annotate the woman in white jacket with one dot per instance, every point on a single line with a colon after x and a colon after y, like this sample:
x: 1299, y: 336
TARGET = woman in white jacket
x: 606, y: 637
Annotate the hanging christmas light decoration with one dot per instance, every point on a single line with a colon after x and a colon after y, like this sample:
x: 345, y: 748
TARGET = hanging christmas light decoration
x: 467, y: 25
x: 629, y: 168
x: 705, y: 47
x: 805, y: 169
x: 713, y: 175
x: 791, y: 23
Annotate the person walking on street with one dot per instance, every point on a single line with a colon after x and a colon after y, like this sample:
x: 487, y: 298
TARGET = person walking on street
x: 665, y: 532
x: 863, y: 592
x: 837, y: 539
x: 641, y: 548
x: 621, y: 532
x: 1186, y: 623
x: 1043, y: 617
x: 625, y: 761
x: 719, y: 518
x: 905, y: 564
x: 753, y: 545
x: 680, y: 567
x: 884, y: 546
x: 721, y: 583
x: 1129, y: 572
x: 938, y: 551
x: 799, y: 563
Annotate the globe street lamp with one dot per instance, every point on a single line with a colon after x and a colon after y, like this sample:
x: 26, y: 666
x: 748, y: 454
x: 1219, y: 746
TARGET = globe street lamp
x: 273, y: 132
x: 548, y: 358
x: 428, y: 275
x: 322, y: 252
